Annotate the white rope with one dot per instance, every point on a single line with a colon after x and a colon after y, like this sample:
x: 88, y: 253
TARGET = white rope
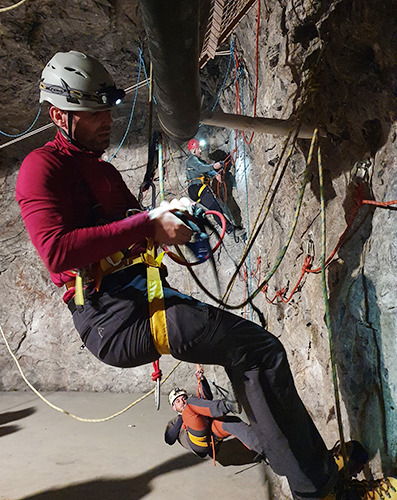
x: 57, y: 408
x: 5, y: 9
x: 128, y: 90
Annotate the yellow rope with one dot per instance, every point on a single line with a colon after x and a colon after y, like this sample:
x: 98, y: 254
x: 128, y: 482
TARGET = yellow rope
x: 81, y: 419
x: 5, y: 9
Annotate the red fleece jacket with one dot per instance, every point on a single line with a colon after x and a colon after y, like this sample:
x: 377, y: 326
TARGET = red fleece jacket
x: 62, y: 192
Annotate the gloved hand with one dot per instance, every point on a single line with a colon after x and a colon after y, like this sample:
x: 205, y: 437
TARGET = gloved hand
x: 168, y: 228
x: 183, y: 204
x: 199, y: 372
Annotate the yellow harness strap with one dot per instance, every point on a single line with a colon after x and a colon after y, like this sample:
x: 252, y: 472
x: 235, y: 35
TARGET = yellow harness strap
x: 116, y: 262
x: 79, y: 294
x: 200, y: 191
x: 158, y: 320
x: 198, y: 441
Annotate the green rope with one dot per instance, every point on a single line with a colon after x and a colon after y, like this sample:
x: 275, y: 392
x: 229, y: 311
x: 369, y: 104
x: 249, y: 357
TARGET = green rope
x: 327, y: 313
x: 257, y: 227
x: 296, y: 216
x: 285, y: 247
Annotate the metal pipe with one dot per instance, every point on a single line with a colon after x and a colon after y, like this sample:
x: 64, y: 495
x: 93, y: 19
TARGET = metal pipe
x: 272, y: 126
x: 172, y: 28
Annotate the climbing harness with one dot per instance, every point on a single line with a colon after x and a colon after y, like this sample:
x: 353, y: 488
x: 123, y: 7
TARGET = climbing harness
x: 199, y: 244
x: 205, y: 181
x: 158, y: 322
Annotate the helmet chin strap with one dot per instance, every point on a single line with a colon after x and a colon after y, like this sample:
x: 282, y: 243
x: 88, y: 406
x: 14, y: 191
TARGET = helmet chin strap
x: 68, y: 135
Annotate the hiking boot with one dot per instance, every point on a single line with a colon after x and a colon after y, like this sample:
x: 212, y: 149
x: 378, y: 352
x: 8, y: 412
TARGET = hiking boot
x: 380, y: 489
x: 231, y: 398
x: 356, y: 454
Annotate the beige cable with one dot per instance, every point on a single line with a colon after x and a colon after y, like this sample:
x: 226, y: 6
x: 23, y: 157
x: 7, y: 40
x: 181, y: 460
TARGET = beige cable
x: 11, y: 7
x: 57, y: 408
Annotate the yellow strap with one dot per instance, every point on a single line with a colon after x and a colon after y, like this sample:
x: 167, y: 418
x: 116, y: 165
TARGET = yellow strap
x: 200, y: 191
x: 198, y: 441
x: 79, y: 296
x: 111, y: 261
x: 158, y: 320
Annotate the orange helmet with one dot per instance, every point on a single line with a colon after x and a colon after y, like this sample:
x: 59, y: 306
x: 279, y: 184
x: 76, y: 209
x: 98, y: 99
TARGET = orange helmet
x: 193, y: 144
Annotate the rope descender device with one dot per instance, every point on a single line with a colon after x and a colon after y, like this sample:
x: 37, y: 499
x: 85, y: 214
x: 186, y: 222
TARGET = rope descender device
x: 199, y: 244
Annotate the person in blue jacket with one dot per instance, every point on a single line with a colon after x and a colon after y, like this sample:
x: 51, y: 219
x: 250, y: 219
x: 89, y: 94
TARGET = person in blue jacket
x: 198, y: 176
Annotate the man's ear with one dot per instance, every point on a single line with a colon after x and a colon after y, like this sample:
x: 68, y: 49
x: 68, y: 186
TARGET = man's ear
x: 59, y: 117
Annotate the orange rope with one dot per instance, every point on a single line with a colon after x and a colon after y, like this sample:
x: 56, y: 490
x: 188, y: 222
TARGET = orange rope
x: 381, y: 204
x: 359, y: 202
x: 213, y: 450
x: 280, y: 293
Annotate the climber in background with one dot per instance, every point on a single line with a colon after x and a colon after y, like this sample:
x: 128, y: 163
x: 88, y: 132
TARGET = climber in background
x: 198, y: 175
x: 202, y: 423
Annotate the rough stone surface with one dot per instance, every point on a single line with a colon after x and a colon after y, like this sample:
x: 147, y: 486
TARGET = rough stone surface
x: 334, y: 66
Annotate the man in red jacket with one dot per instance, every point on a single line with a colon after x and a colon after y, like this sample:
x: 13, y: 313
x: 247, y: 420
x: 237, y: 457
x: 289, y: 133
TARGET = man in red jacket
x: 74, y: 206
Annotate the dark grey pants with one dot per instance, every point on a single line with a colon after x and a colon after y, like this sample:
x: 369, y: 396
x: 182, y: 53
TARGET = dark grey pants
x: 114, y: 326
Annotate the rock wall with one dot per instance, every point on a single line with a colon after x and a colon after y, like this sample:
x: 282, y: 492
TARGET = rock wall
x: 335, y: 67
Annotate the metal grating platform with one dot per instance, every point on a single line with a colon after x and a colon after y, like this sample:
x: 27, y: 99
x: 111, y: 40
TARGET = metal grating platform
x: 223, y: 18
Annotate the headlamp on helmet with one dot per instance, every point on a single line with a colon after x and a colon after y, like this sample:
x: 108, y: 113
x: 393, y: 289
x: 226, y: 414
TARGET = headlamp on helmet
x: 73, y: 81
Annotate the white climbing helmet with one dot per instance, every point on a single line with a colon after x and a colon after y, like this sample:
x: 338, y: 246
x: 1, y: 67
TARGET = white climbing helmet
x: 175, y: 393
x: 73, y: 81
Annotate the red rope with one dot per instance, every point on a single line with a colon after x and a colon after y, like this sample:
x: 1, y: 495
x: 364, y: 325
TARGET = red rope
x: 179, y: 260
x: 381, y: 204
x: 157, y: 372
x: 280, y: 293
x: 238, y: 102
x: 358, y: 203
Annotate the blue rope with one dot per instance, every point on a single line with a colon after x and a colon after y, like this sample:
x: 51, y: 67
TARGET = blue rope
x: 28, y: 129
x: 246, y: 192
x: 226, y: 75
x: 144, y: 70
x: 132, y: 109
